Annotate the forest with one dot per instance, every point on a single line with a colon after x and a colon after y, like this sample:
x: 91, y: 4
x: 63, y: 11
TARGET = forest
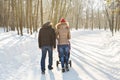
x: 17, y: 15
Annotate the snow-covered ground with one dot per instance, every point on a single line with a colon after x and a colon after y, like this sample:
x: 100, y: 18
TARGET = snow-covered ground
x: 95, y: 55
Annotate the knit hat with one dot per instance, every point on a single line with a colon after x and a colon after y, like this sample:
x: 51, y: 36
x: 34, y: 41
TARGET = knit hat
x: 62, y: 20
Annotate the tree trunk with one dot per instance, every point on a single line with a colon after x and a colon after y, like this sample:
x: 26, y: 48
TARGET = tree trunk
x: 41, y: 10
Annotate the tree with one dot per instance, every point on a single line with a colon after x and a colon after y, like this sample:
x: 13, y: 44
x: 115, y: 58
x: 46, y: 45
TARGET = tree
x: 111, y: 14
x: 29, y: 14
x: 41, y: 10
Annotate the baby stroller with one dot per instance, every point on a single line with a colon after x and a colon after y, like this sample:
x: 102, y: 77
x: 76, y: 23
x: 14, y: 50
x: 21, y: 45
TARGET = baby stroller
x: 69, y: 62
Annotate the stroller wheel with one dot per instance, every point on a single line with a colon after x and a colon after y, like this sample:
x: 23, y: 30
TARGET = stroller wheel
x: 70, y: 62
x: 57, y: 62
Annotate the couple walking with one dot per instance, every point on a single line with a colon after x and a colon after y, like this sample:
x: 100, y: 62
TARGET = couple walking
x: 47, y: 42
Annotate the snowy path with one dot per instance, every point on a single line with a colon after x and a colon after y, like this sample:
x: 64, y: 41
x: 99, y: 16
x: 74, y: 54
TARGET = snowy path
x: 95, y: 55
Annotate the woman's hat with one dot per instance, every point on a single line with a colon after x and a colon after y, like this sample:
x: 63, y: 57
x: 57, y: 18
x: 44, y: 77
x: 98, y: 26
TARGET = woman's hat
x: 62, y: 20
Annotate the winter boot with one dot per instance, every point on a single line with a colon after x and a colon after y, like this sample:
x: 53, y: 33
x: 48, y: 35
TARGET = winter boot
x: 67, y: 68
x: 50, y: 67
x: 43, y: 72
x: 63, y: 70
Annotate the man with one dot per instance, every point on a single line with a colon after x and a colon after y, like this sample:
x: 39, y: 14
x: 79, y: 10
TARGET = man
x: 47, y: 41
x: 63, y: 36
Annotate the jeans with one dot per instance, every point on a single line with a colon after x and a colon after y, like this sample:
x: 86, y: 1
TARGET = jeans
x: 44, y: 52
x: 64, y: 54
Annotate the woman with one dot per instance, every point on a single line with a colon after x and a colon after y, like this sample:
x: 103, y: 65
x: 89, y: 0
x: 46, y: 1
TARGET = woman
x: 63, y: 36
